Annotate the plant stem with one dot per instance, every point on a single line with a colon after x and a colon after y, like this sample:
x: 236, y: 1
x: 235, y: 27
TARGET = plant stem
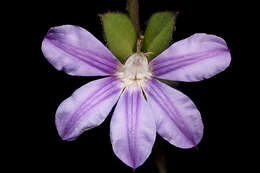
x: 133, y: 10
x: 159, y: 156
x: 160, y: 162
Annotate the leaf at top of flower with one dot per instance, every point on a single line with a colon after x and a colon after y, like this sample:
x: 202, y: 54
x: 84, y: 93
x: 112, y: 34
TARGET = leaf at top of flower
x: 120, y: 34
x: 158, y: 32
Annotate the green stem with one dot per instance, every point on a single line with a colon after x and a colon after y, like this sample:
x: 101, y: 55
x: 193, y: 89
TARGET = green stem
x: 132, y: 7
x: 160, y: 162
x: 159, y: 156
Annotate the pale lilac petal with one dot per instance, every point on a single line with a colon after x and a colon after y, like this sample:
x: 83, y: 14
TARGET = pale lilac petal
x: 195, y: 58
x: 77, y: 52
x: 177, y: 118
x: 87, y: 107
x: 132, y: 129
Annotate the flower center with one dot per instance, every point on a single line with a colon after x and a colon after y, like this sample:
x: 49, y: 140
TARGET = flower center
x: 136, y: 70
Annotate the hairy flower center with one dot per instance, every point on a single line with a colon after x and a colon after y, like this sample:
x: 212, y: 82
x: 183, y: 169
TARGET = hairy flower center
x: 135, y: 71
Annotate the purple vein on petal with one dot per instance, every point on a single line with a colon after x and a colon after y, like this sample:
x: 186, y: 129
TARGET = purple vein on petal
x: 55, y: 37
x: 170, y: 110
x: 136, y: 114
x: 183, y: 57
x: 127, y: 121
x: 138, y: 96
x: 162, y: 66
x: 88, y: 57
x: 109, y: 88
x: 132, y: 110
x: 129, y: 115
x: 71, y: 124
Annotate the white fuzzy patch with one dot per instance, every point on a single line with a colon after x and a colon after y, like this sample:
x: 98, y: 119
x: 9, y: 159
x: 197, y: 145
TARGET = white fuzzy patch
x: 135, y: 72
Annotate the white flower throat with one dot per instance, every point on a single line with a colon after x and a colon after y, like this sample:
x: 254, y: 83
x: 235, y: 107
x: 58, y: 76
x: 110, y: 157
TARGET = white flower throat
x: 136, y: 70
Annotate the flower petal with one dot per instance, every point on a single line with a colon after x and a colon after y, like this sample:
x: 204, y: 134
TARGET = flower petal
x: 177, y: 118
x: 87, y: 107
x: 132, y: 129
x: 77, y: 52
x: 195, y: 58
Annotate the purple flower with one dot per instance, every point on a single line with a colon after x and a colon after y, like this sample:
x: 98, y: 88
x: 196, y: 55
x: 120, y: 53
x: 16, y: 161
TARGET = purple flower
x: 145, y: 105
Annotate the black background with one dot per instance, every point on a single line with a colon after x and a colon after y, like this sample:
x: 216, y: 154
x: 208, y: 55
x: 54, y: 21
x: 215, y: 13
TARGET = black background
x: 37, y: 143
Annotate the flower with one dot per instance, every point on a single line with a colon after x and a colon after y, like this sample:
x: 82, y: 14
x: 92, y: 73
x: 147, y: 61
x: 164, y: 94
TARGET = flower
x: 144, y: 104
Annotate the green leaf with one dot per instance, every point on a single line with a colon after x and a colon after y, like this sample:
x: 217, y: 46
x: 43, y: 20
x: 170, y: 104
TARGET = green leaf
x: 120, y: 34
x: 158, y: 32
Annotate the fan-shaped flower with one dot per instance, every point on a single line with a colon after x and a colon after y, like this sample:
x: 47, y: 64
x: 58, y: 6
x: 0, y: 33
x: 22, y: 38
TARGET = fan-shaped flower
x: 144, y: 104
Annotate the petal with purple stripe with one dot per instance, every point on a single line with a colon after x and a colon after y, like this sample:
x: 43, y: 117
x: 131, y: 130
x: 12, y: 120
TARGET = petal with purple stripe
x: 195, y: 58
x: 77, y: 52
x: 177, y: 118
x: 87, y: 107
x: 132, y: 129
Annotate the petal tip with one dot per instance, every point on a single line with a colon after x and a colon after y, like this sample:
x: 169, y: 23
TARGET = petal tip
x: 64, y: 133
